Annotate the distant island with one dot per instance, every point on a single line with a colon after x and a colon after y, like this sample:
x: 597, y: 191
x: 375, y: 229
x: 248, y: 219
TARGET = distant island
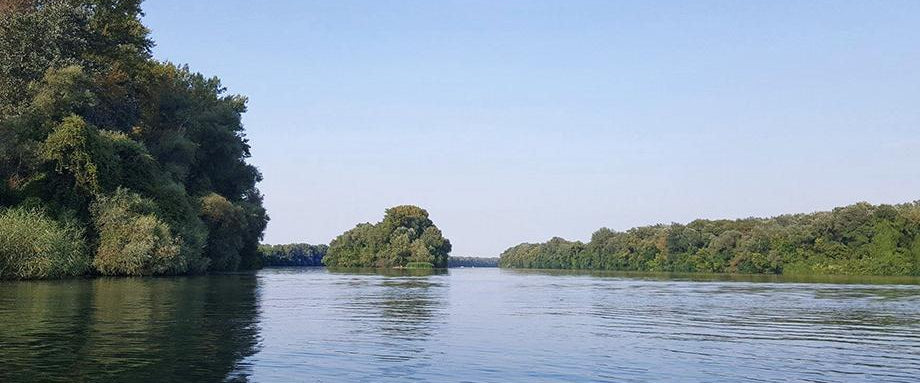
x: 295, y: 254
x: 405, y: 238
x: 472, y: 262
x: 857, y: 239
x: 307, y: 255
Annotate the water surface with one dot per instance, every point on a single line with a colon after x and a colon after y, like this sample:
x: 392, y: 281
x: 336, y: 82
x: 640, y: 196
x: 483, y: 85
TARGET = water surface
x: 476, y: 325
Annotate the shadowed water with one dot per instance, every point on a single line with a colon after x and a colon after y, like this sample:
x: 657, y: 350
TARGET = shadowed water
x: 476, y: 325
x: 128, y: 329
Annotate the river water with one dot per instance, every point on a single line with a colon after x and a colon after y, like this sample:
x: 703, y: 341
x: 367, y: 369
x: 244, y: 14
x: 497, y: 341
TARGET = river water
x: 465, y: 325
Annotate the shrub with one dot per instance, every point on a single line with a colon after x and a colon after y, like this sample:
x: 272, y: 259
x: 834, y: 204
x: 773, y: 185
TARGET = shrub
x: 132, y: 240
x: 35, y: 246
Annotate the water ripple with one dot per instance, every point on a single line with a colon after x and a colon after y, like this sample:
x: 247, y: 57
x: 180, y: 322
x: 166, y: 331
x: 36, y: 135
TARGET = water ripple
x: 471, y: 325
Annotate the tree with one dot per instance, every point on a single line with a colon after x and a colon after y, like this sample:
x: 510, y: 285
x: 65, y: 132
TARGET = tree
x: 96, y: 133
x: 405, y: 236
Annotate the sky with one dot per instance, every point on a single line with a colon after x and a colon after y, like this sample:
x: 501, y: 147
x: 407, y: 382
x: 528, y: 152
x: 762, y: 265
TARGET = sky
x: 517, y: 121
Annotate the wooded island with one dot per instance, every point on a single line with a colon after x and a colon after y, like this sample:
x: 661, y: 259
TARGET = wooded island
x: 856, y: 239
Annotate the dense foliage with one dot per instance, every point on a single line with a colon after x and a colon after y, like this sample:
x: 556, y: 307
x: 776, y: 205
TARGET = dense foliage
x: 856, y: 239
x: 472, y: 262
x: 35, y: 246
x: 148, y: 157
x: 295, y: 254
x: 405, y: 237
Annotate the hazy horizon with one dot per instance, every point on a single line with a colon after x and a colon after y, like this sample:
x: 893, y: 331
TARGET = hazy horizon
x: 518, y: 121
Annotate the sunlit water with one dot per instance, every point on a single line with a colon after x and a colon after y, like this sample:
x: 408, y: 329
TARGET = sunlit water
x: 476, y: 325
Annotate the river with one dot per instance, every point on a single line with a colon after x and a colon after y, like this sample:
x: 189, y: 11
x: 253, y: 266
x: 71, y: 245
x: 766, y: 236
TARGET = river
x: 463, y: 325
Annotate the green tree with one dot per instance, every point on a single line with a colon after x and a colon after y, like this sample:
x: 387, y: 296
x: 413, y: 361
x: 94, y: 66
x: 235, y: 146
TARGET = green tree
x: 856, y: 239
x: 95, y: 132
x: 405, y: 236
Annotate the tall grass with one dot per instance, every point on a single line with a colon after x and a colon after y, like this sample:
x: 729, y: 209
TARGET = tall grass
x: 33, y: 246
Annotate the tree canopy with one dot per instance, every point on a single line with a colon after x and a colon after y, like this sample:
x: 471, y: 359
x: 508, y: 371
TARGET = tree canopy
x: 405, y: 238
x: 856, y: 239
x: 148, y: 156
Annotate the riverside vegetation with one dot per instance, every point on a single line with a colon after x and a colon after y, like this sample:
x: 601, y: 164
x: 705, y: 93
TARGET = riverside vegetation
x: 306, y: 255
x: 111, y: 162
x: 406, y: 237
x: 472, y: 262
x: 303, y: 254
x: 856, y: 239
x: 294, y: 254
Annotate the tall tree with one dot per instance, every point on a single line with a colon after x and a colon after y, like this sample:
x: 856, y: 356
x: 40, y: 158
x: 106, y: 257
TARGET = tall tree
x: 87, y: 117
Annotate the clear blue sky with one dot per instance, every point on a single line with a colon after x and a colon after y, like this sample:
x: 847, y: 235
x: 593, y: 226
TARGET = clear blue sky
x: 514, y: 121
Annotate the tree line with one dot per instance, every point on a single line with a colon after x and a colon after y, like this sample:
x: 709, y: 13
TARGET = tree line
x: 294, y: 254
x: 855, y: 239
x: 406, y: 237
x: 111, y: 162
x: 472, y: 262
x: 303, y: 254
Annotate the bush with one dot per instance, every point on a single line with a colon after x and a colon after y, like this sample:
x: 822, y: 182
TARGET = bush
x: 132, y: 240
x: 35, y: 246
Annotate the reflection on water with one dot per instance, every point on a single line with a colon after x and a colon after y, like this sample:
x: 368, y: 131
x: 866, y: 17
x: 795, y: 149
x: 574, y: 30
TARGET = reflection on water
x: 387, y: 272
x: 723, y: 277
x: 367, y: 323
x: 489, y: 325
x: 138, y: 329
x: 482, y: 325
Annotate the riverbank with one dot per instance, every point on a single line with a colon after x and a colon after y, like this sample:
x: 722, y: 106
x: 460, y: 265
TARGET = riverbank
x: 859, y: 239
